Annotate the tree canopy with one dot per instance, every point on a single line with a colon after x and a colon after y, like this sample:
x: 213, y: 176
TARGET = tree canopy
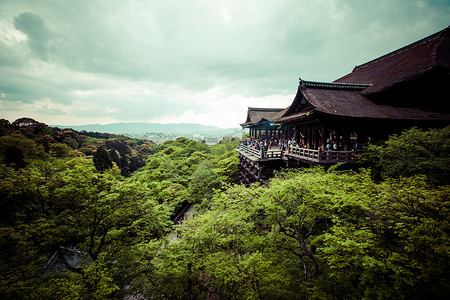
x: 57, y: 198
x: 79, y: 219
x: 413, y: 152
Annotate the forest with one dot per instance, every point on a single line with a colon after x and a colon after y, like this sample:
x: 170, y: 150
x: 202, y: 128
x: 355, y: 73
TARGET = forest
x: 91, y: 216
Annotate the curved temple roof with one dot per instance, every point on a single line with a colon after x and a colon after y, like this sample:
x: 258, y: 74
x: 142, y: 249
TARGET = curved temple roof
x: 255, y: 115
x: 404, y: 64
x: 348, y: 101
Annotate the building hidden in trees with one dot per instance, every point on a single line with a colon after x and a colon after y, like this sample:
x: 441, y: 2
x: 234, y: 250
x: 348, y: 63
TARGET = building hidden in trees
x: 330, y: 122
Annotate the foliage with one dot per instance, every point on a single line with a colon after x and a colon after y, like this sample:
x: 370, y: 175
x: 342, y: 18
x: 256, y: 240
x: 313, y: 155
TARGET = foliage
x: 306, y: 234
x: 58, y: 198
x: 196, y: 170
x: 131, y: 153
x: 48, y: 204
x: 412, y: 152
x: 102, y: 160
x: 29, y: 148
x: 313, y: 234
x: 14, y: 156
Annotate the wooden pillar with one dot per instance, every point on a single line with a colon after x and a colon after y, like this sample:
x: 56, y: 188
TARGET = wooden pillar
x: 346, y: 136
x: 323, y: 138
x: 314, y: 138
x: 301, y: 133
x: 308, y: 138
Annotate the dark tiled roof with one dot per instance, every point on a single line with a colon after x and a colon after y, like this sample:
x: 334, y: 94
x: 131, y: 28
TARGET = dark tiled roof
x: 353, y: 104
x: 347, y: 100
x: 255, y: 115
x: 404, y: 64
x: 295, y: 116
x: 326, y: 85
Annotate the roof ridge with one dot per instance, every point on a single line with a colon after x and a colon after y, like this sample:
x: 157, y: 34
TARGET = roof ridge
x: 402, y: 49
x: 328, y: 85
x: 264, y: 108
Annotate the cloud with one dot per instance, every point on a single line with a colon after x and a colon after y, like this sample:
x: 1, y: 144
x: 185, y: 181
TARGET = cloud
x: 33, y: 27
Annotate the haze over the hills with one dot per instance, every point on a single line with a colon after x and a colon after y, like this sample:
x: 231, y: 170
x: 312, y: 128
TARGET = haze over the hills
x: 142, y: 127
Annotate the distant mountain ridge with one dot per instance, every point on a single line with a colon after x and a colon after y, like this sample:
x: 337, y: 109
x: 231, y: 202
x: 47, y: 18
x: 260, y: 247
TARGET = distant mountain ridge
x: 143, y: 127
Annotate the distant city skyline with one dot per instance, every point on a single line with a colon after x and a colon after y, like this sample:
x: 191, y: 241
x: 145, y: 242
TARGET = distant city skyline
x: 203, y: 62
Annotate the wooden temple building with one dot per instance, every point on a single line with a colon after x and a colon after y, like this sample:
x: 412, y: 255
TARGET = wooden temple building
x: 260, y: 122
x: 328, y: 123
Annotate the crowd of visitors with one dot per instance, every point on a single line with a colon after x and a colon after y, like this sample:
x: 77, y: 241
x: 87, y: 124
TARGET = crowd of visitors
x: 266, y: 144
x: 283, y: 144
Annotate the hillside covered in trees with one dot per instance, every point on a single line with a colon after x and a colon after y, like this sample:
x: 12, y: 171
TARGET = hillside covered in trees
x: 128, y: 154
x: 76, y: 223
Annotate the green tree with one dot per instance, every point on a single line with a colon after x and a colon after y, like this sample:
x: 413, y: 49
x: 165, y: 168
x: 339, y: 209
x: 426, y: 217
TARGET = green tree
x: 414, y: 220
x: 412, y: 152
x: 102, y: 160
x: 397, y: 249
x: 60, y: 150
x: 29, y: 148
x: 228, y: 167
x: 203, y: 182
x: 314, y: 234
x: 221, y: 252
x: 14, y: 156
x: 60, y: 202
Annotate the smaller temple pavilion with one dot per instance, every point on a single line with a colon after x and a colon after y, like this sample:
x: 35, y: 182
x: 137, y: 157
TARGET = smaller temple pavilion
x: 260, y: 122
x: 331, y: 122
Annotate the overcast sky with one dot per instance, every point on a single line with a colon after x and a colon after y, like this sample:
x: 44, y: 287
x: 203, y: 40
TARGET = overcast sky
x: 188, y: 61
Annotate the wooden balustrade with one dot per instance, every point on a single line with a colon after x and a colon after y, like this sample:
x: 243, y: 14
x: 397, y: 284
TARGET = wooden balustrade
x: 273, y: 154
x: 318, y: 156
x: 257, y: 166
x: 261, y: 154
x: 322, y: 156
x: 250, y: 151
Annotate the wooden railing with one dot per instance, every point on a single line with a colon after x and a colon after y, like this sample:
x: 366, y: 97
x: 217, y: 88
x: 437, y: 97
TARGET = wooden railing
x: 302, y: 152
x: 249, y: 150
x: 261, y: 154
x: 298, y: 152
x: 322, y: 156
x: 272, y: 153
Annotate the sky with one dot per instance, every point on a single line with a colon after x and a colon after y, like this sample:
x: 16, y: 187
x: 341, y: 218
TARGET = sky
x: 65, y: 62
